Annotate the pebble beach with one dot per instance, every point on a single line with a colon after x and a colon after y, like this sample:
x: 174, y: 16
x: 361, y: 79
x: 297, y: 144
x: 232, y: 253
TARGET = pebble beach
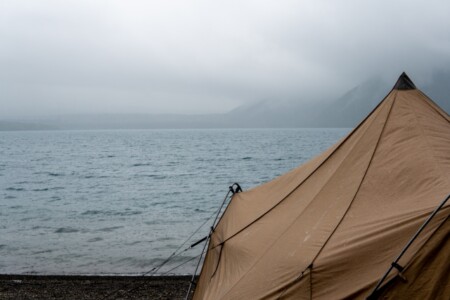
x: 93, y: 287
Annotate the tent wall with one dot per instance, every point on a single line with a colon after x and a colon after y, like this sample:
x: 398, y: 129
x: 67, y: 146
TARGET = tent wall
x: 428, y: 273
x: 330, y: 228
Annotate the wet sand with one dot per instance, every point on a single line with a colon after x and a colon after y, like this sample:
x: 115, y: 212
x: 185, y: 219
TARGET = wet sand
x: 93, y: 287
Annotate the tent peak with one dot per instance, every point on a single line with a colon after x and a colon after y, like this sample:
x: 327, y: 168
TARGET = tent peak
x: 404, y: 83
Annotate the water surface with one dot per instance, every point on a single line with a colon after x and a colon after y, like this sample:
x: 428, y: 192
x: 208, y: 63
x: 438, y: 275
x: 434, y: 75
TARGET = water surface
x: 119, y: 202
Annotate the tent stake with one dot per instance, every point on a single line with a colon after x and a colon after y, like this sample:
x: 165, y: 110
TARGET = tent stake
x: 395, y: 263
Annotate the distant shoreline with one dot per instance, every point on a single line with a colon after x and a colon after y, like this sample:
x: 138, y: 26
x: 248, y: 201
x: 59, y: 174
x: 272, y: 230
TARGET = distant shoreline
x: 163, y: 128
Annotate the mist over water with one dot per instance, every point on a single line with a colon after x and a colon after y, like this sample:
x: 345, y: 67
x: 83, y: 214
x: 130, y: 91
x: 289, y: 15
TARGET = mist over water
x: 120, y: 202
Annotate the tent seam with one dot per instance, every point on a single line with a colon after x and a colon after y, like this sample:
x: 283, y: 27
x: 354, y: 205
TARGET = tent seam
x: 408, y: 264
x: 427, y: 149
x: 218, y: 262
x: 293, y: 221
x: 314, y: 171
x: 434, y: 107
x: 364, y: 177
x: 359, y: 187
x: 427, y: 142
x: 296, y: 218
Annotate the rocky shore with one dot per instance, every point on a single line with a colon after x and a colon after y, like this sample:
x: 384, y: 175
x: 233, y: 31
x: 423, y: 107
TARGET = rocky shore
x: 93, y: 287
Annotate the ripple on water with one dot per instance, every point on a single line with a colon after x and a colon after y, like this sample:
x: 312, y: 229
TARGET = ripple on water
x: 40, y: 190
x: 42, y: 251
x: 154, y: 176
x: 141, y: 164
x: 111, y: 213
x: 54, y: 199
x: 66, y: 230
x: 96, y: 239
x: 15, y: 189
x: 109, y: 229
x: 55, y: 188
x: 54, y: 174
x: 16, y: 206
x: 137, y: 262
x: 92, y: 212
x: 133, y: 243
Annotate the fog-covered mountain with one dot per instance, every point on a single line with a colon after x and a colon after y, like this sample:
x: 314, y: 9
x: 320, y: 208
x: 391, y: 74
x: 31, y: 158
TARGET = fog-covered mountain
x: 349, y: 109
x: 280, y: 113
x: 344, y: 111
x: 24, y: 125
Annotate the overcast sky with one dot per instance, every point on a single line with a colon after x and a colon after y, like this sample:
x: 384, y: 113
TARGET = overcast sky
x: 169, y: 56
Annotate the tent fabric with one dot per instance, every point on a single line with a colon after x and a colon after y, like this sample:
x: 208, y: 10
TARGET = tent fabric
x: 331, y: 228
x: 428, y: 274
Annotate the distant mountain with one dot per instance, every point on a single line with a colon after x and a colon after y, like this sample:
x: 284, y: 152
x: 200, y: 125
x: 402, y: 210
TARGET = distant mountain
x: 345, y: 111
x: 266, y: 114
x: 16, y: 125
x: 353, y: 106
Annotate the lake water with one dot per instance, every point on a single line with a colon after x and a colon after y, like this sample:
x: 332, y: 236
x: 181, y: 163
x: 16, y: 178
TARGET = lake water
x: 120, y: 202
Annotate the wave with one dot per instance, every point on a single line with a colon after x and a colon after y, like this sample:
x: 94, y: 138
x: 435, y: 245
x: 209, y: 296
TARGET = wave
x: 133, y: 243
x: 92, y: 212
x: 48, y: 189
x: 15, y: 189
x: 95, y: 176
x: 66, y: 230
x: 111, y: 213
x: 141, y: 164
x: 109, y: 229
x: 96, y: 239
x: 42, y: 251
x: 16, y: 206
x: 53, y: 174
x: 151, y: 176
x: 53, y: 199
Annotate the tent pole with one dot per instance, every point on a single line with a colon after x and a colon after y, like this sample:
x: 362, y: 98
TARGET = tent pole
x: 233, y: 189
x: 395, y: 263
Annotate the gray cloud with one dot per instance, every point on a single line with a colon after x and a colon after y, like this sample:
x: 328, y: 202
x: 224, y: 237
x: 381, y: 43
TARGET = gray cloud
x: 59, y: 57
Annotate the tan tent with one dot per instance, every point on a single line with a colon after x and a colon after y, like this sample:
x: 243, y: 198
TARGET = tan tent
x: 331, y: 228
